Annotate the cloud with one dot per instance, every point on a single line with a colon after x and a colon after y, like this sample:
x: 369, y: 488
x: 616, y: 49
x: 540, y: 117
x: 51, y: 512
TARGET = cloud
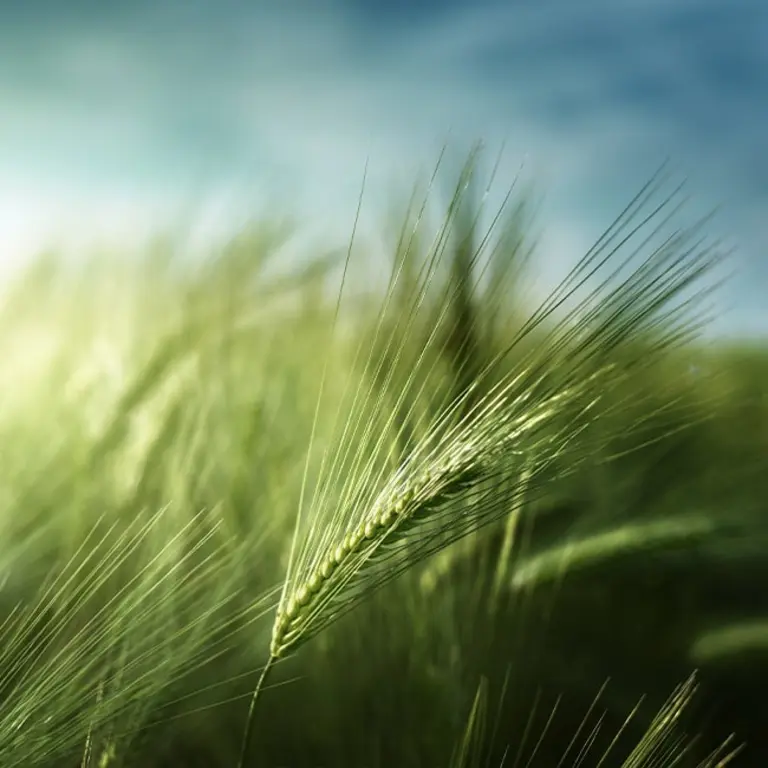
x: 160, y: 101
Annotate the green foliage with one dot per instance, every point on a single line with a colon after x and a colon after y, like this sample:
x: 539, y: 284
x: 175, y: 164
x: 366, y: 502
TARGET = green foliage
x: 462, y: 511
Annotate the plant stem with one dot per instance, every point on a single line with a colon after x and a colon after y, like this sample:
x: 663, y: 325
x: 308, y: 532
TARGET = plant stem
x: 251, y: 709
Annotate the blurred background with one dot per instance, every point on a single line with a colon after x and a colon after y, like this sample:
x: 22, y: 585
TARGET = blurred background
x: 120, y: 117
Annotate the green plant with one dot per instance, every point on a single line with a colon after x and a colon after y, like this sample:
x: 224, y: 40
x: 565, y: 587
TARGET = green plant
x: 533, y: 423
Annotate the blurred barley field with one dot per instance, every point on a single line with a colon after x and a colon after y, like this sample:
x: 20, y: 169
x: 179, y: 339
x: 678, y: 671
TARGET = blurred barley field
x: 163, y: 422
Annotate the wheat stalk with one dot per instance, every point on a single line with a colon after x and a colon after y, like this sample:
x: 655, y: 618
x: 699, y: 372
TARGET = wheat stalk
x: 102, y: 642
x: 727, y: 641
x: 533, y: 423
x: 595, y: 549
x: 661, y: 744
x: 426, y: 490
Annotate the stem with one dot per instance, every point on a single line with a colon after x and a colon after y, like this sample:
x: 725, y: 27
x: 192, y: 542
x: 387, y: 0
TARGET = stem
x: 249, y: 722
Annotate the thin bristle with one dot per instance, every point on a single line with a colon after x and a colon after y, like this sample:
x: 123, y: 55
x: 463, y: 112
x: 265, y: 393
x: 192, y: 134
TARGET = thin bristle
x: 538, y: 415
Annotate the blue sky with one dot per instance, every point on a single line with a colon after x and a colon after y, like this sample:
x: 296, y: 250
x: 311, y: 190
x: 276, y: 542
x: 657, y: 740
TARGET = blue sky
x: 114, y: 115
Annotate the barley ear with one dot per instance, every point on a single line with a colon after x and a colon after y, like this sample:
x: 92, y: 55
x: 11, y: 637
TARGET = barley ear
x: 531, y: 422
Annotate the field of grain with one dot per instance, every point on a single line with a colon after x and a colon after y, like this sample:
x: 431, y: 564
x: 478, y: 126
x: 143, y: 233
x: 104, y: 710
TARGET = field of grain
x: 271, y: 512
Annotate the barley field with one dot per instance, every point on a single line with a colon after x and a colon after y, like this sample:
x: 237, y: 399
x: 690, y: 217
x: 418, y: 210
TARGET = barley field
x: 335, y: 511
